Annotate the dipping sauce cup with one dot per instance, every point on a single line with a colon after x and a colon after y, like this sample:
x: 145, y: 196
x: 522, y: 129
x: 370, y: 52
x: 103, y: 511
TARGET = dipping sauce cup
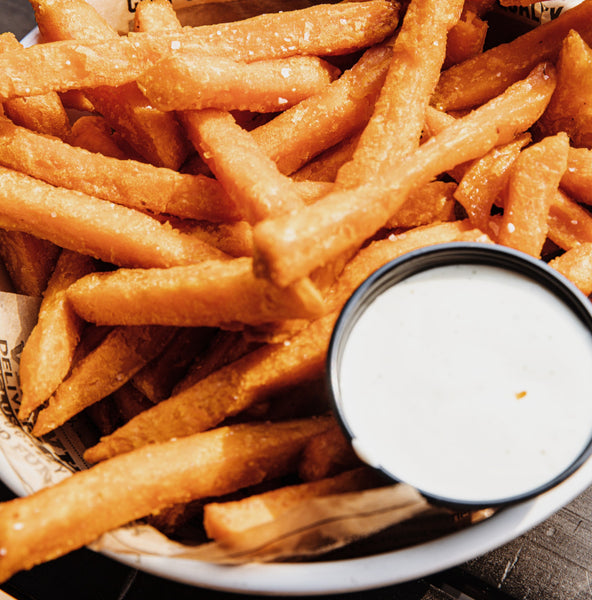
x: 465, y: 370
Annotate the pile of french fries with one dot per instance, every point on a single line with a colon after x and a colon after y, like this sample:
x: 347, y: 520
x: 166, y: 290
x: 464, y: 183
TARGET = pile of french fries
x: 196, y: 204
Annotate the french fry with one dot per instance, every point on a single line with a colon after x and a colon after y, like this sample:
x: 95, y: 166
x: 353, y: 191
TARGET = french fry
x: 326, y: 455
x: 44, y: 114
x: 129, y: 401
x: 29, y: 261
x: 395, y: 127
x: 569, y: 223
x: 257, y: 375
x: 158, y: 378
x: 251, y: 180
x: 49, y: 350
x: 94, y: 134
x: 155, y: 15
x: 343, y: 219
x: 222, y: 519
x: 466, y: 39
x: 484, y: 181
x: 208, y: 294
x: 532, y: 185
x: 298, y: 134
x: 192, y: 83
x: 126, y: 182
x: 487, y: 75
x: 234, y: 239
x: 569, y: 109
x: 122, y: 353
x: 319, y: 31
x: 89, y: 503
x: 577, y: 179
x: 112, y: 233
x: 576, y: 265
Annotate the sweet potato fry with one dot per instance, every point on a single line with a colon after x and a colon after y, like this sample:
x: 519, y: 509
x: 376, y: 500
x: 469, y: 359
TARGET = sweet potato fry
x: 466, y: 39
x: 122, y: 353
x: 343, y: 219
x: 576, y: 265
x: 395, y: 127
x: 319, y: 31
x: 226, y: 518
x: 126, y: 182
x: 479, y: 79
x: 570, y: 107
x: 532, y: 185
x: 208, y: 294
x: 298, y: 134
x: 91, y: 502
x: 49, y: 349
x: 85, y: 224
x: 191, y: 82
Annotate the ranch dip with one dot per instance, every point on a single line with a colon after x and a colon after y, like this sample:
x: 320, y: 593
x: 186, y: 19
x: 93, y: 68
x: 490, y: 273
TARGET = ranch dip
x: 470, y: 382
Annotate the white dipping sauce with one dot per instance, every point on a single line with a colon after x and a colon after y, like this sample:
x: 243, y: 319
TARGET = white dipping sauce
x: 469, y: 382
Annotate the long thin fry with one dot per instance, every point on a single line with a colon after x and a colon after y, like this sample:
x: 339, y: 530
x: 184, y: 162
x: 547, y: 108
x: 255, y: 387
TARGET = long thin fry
x: 119, y: 357
x: 299, y: 133
x: 49, y: 349
x: 479, y: 79
x: 85, y: 224
x: 97, y: 500
x: 265, y: 370
x: 395, y: 127
x: 319, y: 31
x: 207, y: 294
x: 345, y: 219
x: 127, y: 182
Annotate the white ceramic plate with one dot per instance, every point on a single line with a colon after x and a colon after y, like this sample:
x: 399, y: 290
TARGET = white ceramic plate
x: 332, y: 577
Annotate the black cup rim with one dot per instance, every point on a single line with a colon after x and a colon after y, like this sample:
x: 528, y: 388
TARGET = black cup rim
x: 439, y: 255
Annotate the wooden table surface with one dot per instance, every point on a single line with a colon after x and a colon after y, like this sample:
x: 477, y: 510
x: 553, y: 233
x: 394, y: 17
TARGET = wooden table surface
x: 553, y: 561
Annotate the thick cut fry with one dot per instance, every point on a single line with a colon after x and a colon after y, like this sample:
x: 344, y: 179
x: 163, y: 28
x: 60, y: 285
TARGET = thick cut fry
x: 395, y: 127
x: 466, y: 39
x: 45, y: 114
x: 209, y: 294
x: 479, y: 79
x: 78, y: 510
x: 249, y: 177
x: 345, y: 219
x: 49, y: 349
x: 94, y: 134
x: 158, y: 378
x: 85, y: 224
x: 532, y: 185
x: 326, y: 455
x: 484, y: 181
x: 570, y: 108
x: 576, y: 265
x: 577, y: 179
x: 117, y: 359
x: 155, y: 15
x: 569, y: 223
x: 194, y: 82
x: 318, y: 31
x: 226, y: 392
x: 222, y: 519
x: 29, y: 261
x: 264, y: 371
x: 234, y: 239
x: 302, y: 132
x: 126, y: 182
